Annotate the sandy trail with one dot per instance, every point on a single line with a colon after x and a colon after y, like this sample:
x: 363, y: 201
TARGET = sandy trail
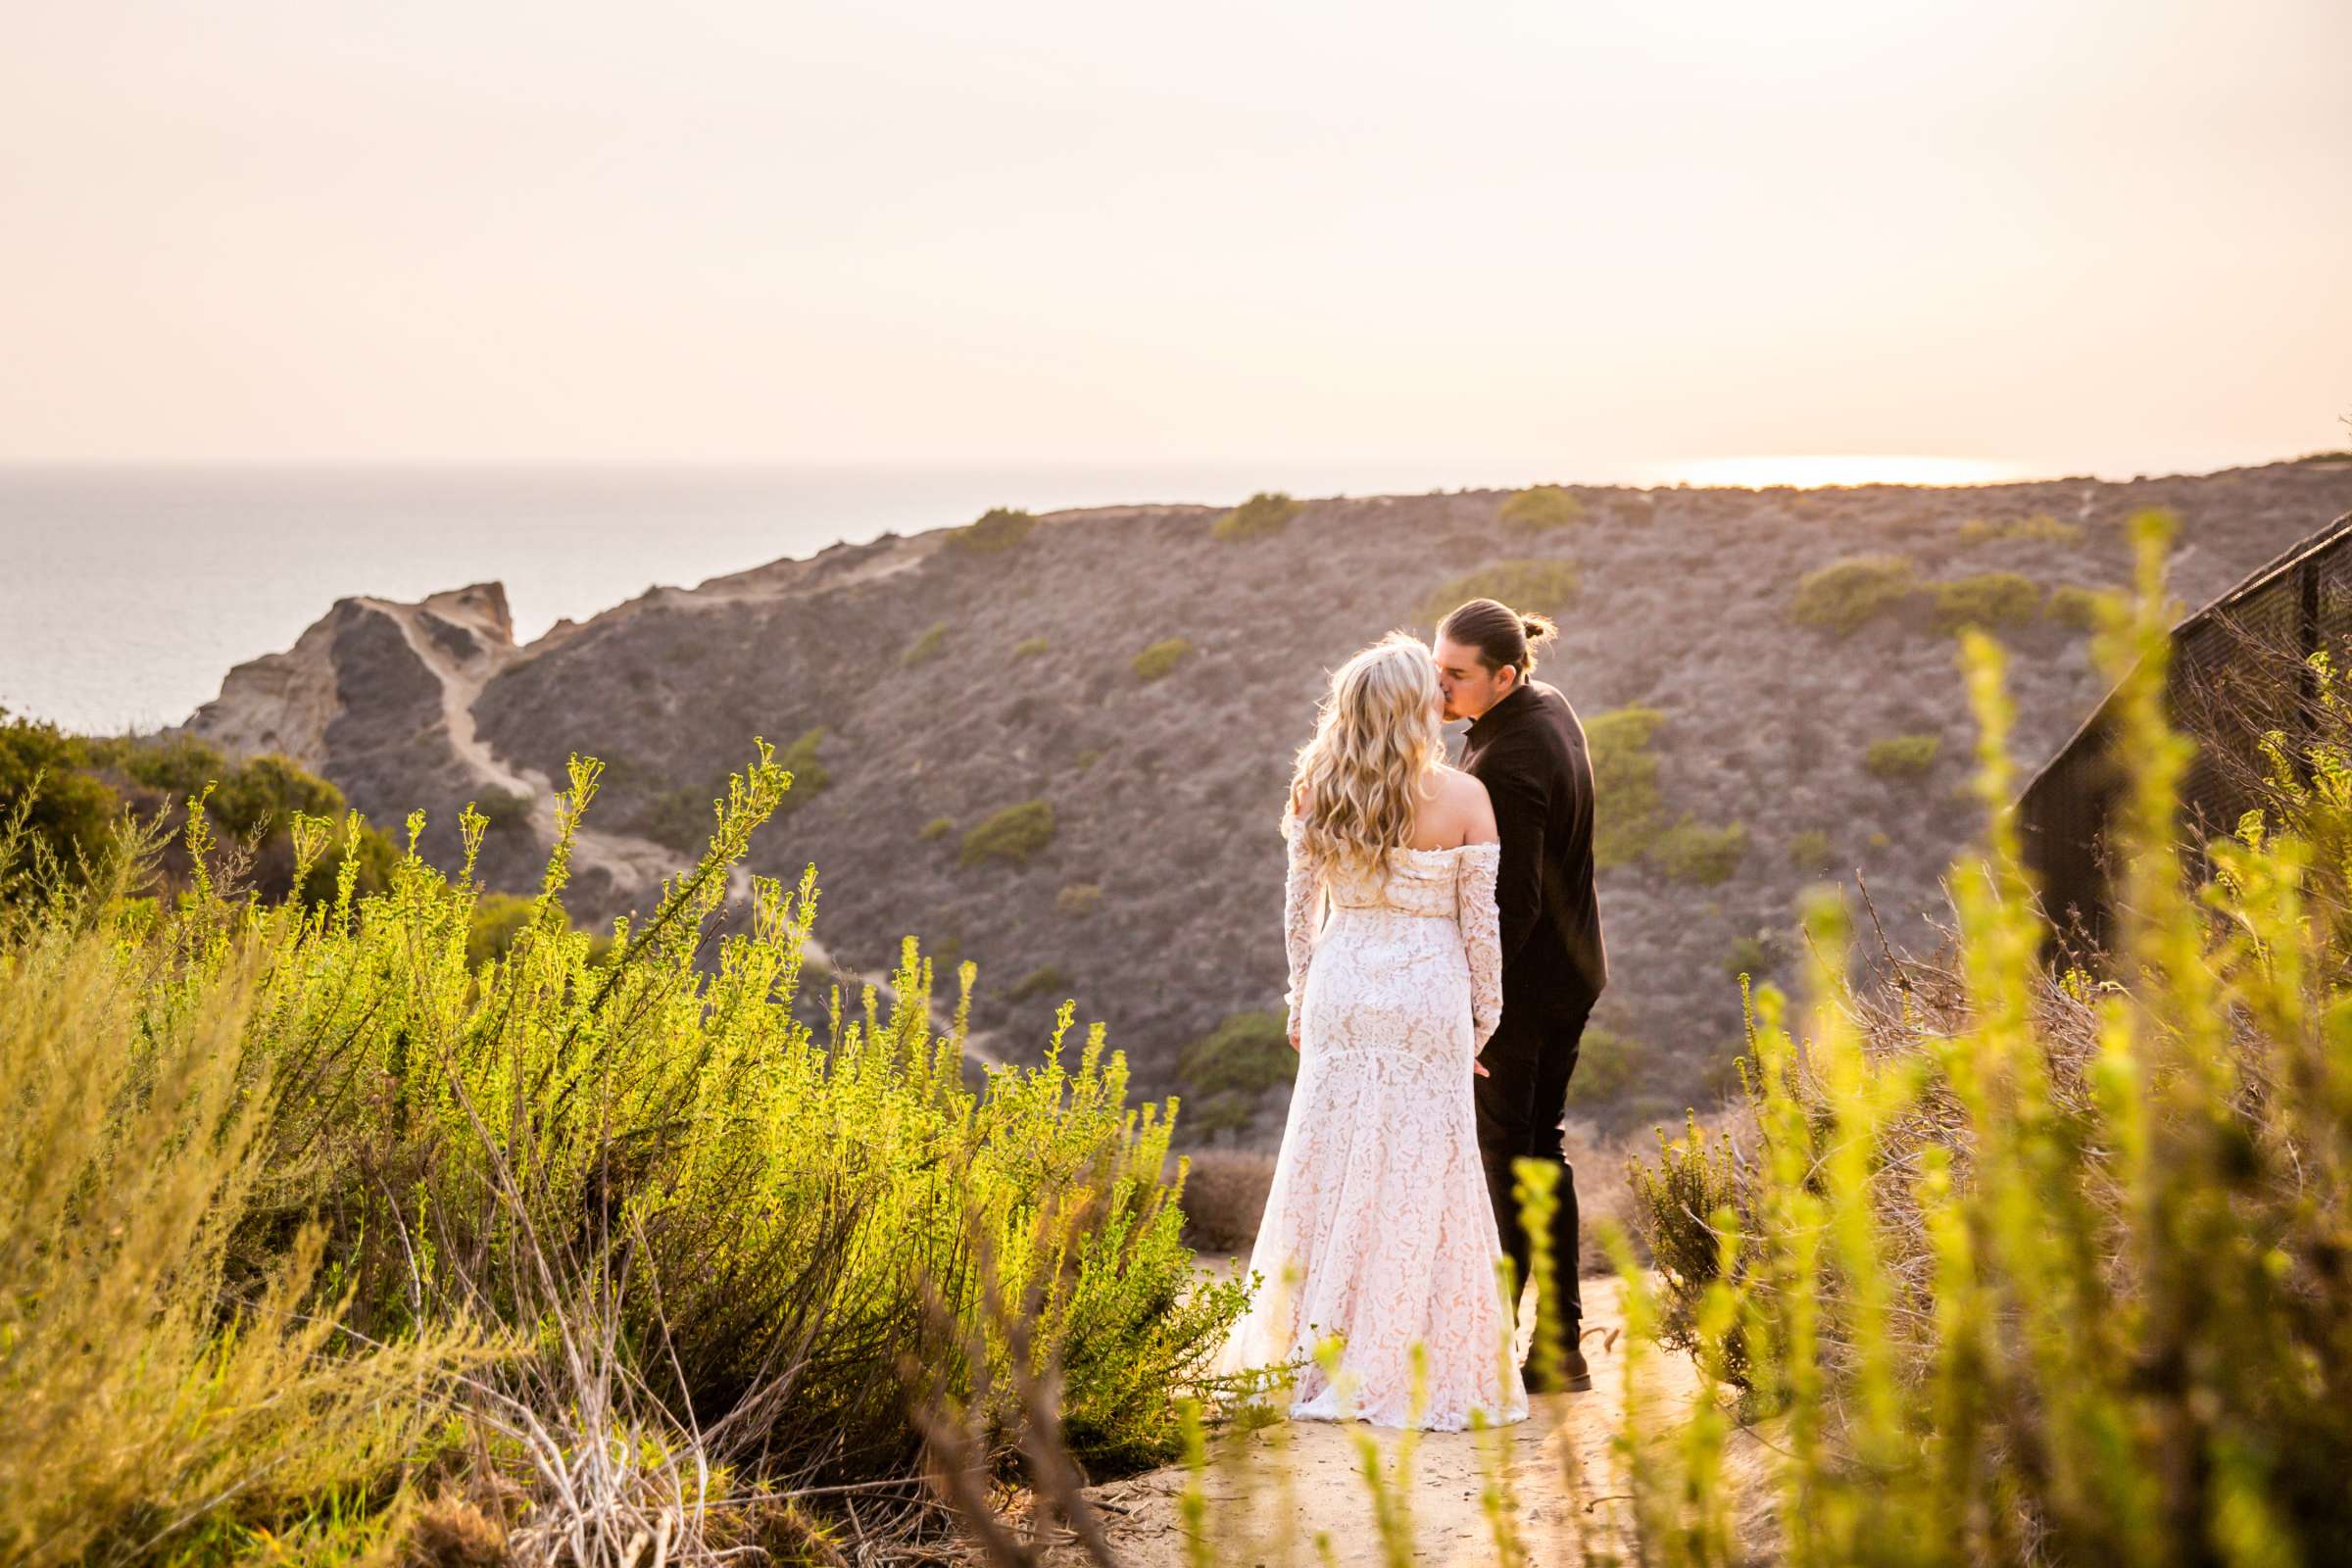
x: 1273, y: 1492
x: 637, y: 865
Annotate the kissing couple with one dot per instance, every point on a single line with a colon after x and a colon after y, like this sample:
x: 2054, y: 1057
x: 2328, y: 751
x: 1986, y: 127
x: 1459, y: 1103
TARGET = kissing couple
x: 1445, y: 952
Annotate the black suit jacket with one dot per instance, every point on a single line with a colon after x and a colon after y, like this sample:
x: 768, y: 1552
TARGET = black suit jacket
x: 1529, y: 751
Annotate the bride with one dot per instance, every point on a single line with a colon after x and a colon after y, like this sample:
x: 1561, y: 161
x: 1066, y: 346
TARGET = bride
x: 1377, y: 1227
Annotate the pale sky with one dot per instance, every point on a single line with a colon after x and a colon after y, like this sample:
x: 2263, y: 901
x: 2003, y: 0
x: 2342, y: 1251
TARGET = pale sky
x: 2103, y: 234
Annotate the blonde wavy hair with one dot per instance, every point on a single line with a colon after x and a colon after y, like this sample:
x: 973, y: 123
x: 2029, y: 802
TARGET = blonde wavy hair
x: 1376, y: 748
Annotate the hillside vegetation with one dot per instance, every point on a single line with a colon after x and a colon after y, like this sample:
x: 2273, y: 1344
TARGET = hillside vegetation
x: 1164, y: 778
x: 326, y: 1227
x: 2009, y: 1265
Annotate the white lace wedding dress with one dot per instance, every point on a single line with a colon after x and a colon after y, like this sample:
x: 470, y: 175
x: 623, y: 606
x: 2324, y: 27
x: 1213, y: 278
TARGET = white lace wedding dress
x: 1377, y: 1227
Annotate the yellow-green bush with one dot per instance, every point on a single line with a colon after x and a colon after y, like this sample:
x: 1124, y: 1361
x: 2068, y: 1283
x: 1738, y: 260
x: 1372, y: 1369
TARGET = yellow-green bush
x: 1030, y: 647
x: 1047, y: 979
x: 2044, y: 1266
x: 86, y: 782
x: 1748, y: 955
x: 1847, y: 595
x: 161, y: 1370
x: 1692, y: 852
x: 1015, y: 833
x: 1159, y: 660
x: 501, y: 809
x: 1988, y: 598
x: 1268, y: 511
x: 1605, y: 1063
x: 1901, y: 756
x: 2070, y: 604
x: 997, y: 529
x: 1541, y: 508
x: 939, y: 827
x: 928, y: 645
x: 701, y: 1234
x: 1811, y: 850
x: 1625, y: 783
x: 680, y: 816
x: 1227, y: 1071
x: 1539, y: 586
x: 2039, y: 528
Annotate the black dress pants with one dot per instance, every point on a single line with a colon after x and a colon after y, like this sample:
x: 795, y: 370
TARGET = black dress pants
x: 1521, y: 1103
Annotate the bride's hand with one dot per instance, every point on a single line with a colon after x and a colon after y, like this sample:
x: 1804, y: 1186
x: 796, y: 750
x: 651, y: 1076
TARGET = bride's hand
x: 1478, y: 1069
x: 1293, y: 1037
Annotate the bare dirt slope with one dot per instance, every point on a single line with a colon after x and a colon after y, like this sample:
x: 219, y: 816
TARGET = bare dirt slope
x: 949, y: 683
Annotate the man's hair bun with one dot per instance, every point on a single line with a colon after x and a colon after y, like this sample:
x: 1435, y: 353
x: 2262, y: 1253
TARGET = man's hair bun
x: 1539, y: 628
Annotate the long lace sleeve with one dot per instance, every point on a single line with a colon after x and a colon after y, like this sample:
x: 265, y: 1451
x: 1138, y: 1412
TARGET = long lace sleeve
x: 1301, y: 919
x: 1482, y: 935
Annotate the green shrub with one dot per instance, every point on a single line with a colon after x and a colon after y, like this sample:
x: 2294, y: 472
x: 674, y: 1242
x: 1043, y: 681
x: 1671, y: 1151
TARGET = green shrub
x: 939, y: 827
x: 1269, y: 512
x: 497, y: 919
x: 1030, y: 647
x: 86, y: 782
x: 2039, y: 528
x: 2093, y: 1193
x: 1847, y: 595
x: 1811, y: 850
x: 1690, y: 852
x: 1015, y: 834
x: 1901, y: 756
x: 63, y: 811
x: 1625, y: 783
x: 1160, y: 660
x: 997, y: 529
x: 1749, y: 956
x: 1677, y: 1204
x: 1988, y: 598
x: 2077, y: 606
x: 681, y: 817
x: 1227, y: 1071
x: 670, y: 1202
x: 504, y: 809
x: 1605, y: 1064
x: 1045, y: 980
x: 928, y: 645
x: 168, y: 1374
x: 1538, y: 586
x: 1078, y: 899
x: 1541, y: 508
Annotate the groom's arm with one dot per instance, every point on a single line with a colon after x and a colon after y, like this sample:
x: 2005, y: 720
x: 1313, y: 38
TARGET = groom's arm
x: 1522, y: 805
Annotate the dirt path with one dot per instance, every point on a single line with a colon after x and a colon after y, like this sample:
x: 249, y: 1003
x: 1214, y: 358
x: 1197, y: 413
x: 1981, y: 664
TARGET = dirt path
x: 634, y: 863
x: 637, y: 865
x: 1272, y: 1493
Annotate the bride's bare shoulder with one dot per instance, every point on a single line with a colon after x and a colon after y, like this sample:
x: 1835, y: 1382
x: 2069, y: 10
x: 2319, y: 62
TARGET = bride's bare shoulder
x: 1458, y: 811
x: 1467, y: 805
x: 1457, y: 788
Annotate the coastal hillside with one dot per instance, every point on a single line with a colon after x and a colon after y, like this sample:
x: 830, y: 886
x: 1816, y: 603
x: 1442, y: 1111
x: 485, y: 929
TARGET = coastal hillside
x: 1056, y: 746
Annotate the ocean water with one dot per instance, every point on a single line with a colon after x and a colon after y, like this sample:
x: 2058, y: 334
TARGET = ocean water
x: 126, y: 594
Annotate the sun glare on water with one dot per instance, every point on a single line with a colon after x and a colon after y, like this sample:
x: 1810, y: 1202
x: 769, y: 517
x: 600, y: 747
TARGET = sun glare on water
x: 1806, y: 470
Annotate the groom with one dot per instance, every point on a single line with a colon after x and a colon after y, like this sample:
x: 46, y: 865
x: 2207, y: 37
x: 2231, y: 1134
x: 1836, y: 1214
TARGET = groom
x: 1527, y: 747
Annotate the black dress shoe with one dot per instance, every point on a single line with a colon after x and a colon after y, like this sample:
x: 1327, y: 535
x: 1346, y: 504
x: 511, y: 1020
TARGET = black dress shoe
x: 1575, y: 1375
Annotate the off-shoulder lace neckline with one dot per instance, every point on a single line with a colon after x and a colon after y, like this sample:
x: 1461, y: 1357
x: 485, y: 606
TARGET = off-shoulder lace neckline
x: 1452, y: 849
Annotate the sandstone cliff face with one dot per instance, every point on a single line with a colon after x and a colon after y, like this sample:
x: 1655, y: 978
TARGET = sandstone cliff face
x: 949, y: 683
